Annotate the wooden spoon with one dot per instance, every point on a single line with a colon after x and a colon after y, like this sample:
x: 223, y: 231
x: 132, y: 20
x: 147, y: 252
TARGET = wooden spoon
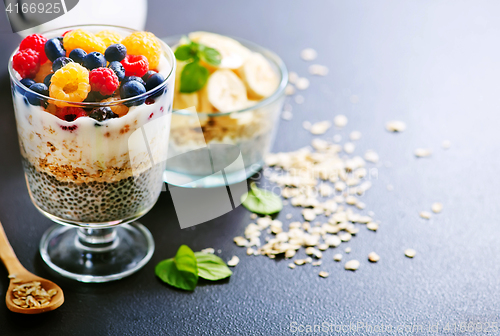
x: 20, y: 275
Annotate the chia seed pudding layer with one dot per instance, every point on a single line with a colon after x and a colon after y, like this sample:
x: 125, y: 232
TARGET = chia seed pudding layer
x: 94, y: 202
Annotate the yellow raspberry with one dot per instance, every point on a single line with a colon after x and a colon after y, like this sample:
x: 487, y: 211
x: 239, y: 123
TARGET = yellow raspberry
x: 109, y: 37
x: 83, y: 39
x: 70, y: 83
x: 144, y: 43
x: 45, y: 69
x: 119, y: 109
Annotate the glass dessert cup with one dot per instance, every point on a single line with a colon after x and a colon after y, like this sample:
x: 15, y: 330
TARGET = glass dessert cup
x: 96, y: 178
x: 201, y: 145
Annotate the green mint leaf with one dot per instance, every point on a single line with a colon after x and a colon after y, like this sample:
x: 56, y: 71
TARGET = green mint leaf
x: 261, y: 201
x: 193, y: 77
x: 211, y: 267
x: 185, y: 52
x: 181, y: 271
x: 211, y: 56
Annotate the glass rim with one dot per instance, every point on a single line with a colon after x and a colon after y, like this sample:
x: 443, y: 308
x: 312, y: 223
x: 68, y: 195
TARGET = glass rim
x: 268, y: 54
x: 166, y: 48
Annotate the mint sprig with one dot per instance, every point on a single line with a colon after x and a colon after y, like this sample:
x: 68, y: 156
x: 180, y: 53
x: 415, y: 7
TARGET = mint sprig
x: 186, y: 267
x: 261, y: 201
x: 194, y: 75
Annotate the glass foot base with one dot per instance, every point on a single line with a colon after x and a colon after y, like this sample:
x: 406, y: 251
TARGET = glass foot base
x: 97, y: 255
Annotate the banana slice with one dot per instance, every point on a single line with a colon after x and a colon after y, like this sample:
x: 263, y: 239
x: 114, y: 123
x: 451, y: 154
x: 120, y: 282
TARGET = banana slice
x: 226, y: 92
x: 203, y: 102
x: 185, y: 100
x: 259, y: 77
x: 233, y: 53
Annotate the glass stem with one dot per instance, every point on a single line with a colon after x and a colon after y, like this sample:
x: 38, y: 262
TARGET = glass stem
x: 97, y: 240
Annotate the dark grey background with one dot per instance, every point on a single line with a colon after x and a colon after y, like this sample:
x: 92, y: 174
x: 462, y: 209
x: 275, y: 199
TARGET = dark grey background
x: 433, y: 64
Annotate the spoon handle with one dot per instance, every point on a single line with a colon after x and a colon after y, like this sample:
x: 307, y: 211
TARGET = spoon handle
x: 8, y: 256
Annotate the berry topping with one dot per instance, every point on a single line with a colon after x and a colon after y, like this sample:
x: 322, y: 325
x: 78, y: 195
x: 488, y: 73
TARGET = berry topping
x: 78, y: 55
x: 83, y: 39
x: 103, y: 113
x: 47, y: 79
x: 61, y: 62
x: 70, y: 83
x: 94, y: 60
x: 131, y: 89
x: 34, y: 99
x: 144, y: 43
x: 109, y: 37
x: 70, y: 113
x: 27, y: 82
x: 104, y: 81
x: 134, y: 78
x: 135, y: 65
x: 154, y: 81
x: 148, y: 74
x: 118, y: 68
x: 119, y: 109
x: 115, y: 52
x: 45, y: 69
x: 67, y: 31
x: 54, y: 49
x: 35, y: 42
x: 26, y: 62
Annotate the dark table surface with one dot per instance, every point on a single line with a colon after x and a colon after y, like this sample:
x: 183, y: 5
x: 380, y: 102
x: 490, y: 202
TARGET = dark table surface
x: 433, y: 64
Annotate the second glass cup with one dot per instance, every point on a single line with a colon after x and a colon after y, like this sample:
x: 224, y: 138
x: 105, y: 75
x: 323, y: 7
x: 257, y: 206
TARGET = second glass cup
x: 95, y: 175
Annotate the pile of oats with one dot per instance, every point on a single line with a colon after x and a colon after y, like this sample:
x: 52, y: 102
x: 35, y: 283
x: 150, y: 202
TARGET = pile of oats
x: 32, y: 295
x: 326, y: 184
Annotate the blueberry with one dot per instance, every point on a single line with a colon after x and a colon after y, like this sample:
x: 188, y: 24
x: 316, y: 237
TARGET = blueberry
x: 148, y: 74
x: 154, y: 81
x: 54, y: 49
x: 94, y: 60
x: 115, y: 52
x: 35, y: 99
x: 131, y: 89
x: 78, y: 55
x: 47, y: 79
x: 134, y: 78
x: 27, y: 82
x: 102, y: 114
x: 118, y: 69
x: 60, y: 62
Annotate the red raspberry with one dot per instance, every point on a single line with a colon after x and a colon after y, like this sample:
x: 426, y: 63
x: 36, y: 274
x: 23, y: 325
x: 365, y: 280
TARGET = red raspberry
x: 135, y: 65
x: 70, y: 113
x: 103, y: 80
x: 26, y: 62
x: 37, y: 43
x: 67, y: 31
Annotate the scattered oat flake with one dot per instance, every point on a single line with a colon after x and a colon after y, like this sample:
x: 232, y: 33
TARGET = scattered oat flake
x: 425, y: 214
x: 372, y: 226
x: 289, y: 90
x: 292, y: 77
x: 410, y: 253
x: 340, y: 120
x: 355, y: 135
x: 291, y: 265
x: 395, y: 126
x: 299, y: 99
x: 302, y: 83
x: 422, y: 152
x: 437, y: 207
x: 373, y: 257
x: 240, y: 241
x: 320, y: 127
x: 307, y: 125
x: 234, y: 261
x: 308, y: 54
x: 323, y: 274
x: 316, y: 263
x: 351, y: 265
x: 253, y: 216
x: 349, y: 147
x: 208, y: 250
x: 371, y: 156
x: 318, y: 70
x: 347, y: 250
x: 337, y: 257
x: 286, y: 115
x: 299, y: 262
x: 288, y: 216
x: 446, y: 144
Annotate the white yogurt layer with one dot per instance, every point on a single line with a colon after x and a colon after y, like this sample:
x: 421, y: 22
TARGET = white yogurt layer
x: 80, y: 151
